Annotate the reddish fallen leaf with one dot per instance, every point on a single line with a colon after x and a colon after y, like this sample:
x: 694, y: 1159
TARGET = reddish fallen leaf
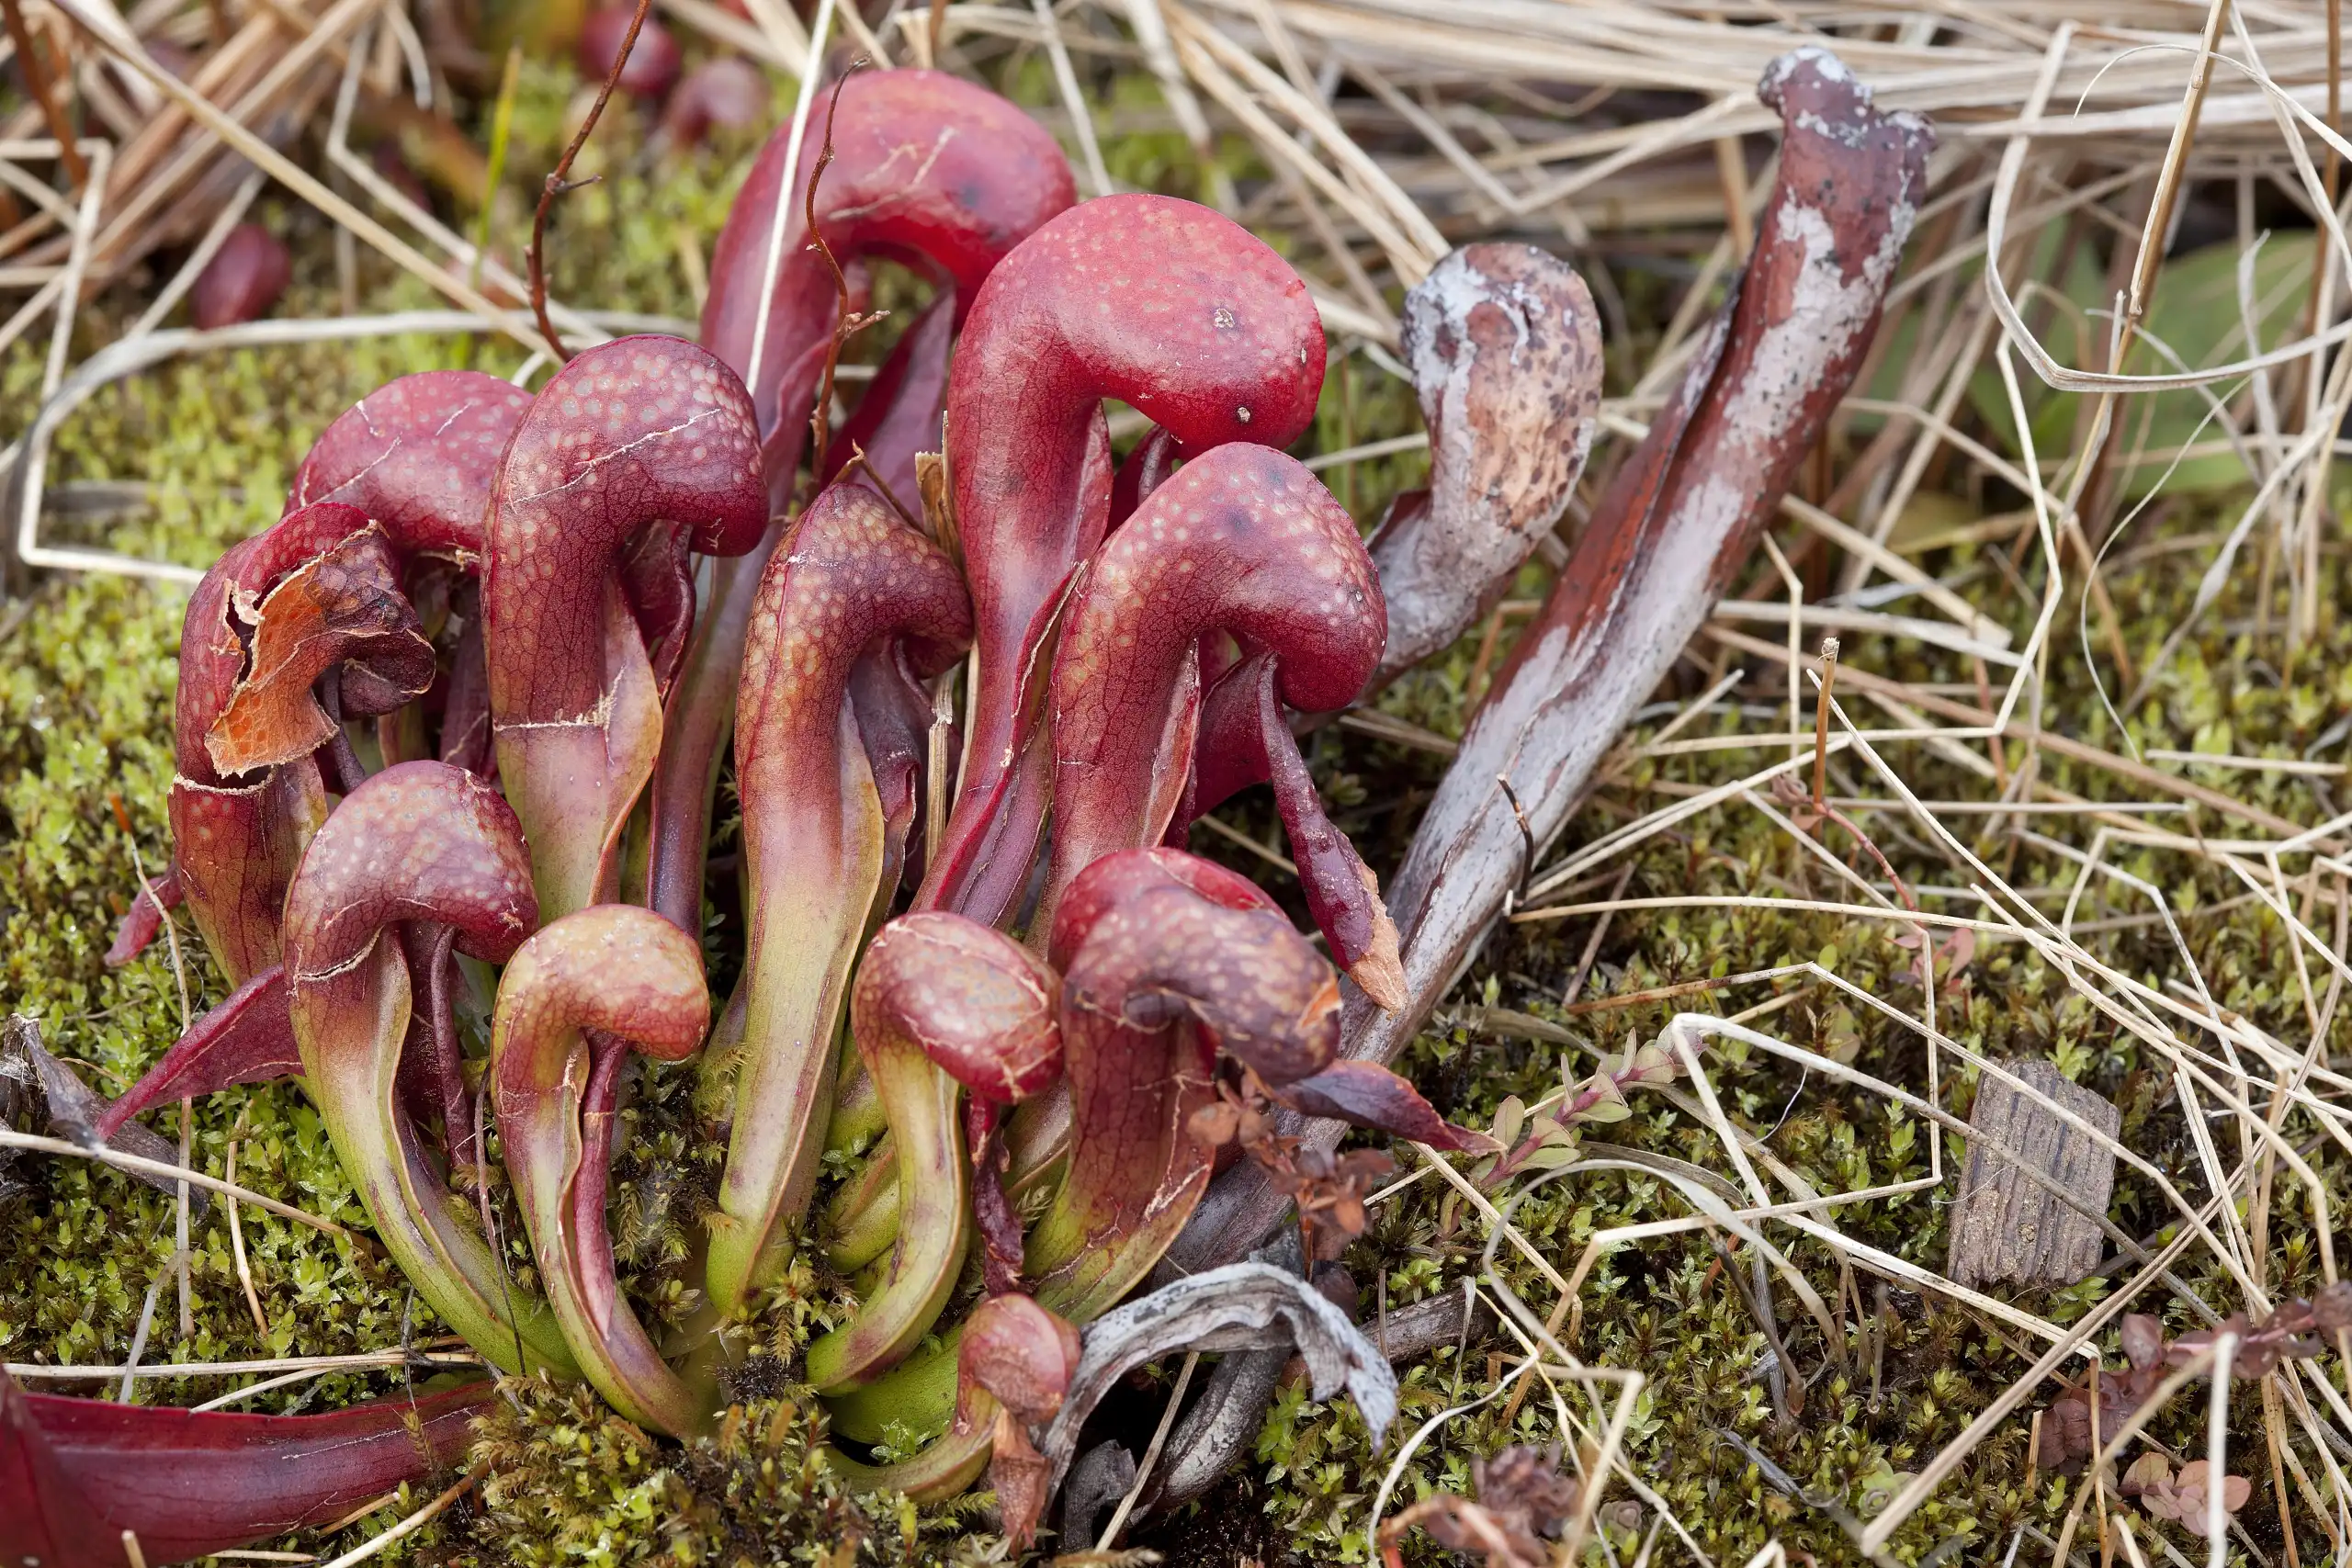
x: 2185, y: 1499
x: 725, y: 92
x: 243, y: 280
x: 75, y: 1474
x: 345, y: 606
x: 652, y: 66
x: 145, y: 917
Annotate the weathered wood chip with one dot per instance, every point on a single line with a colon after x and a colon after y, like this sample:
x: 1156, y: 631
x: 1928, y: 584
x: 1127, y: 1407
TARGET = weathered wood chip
x: 2007, y: 1225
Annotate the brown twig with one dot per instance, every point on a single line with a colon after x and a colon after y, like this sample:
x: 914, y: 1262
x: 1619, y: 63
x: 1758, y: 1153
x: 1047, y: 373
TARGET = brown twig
x: 1821, y: 723
x: 1654, y: 994
x: 37, y: 82
x: 1526, y: 834
x: 847, y: 321
x: 857, y: 459
x: 560, y: 180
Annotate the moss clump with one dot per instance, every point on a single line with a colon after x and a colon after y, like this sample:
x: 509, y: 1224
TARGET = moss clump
x: 569, y: 1482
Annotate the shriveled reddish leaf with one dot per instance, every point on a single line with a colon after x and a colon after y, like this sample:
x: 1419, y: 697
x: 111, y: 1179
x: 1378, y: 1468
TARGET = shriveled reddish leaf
x: 1365, y: 1094
x: 994, y: 1215
x: 1245, y: 739
x: 237, y: 839
x: 416, y: 456
x: 343, y: 605
x: 75, y: 1474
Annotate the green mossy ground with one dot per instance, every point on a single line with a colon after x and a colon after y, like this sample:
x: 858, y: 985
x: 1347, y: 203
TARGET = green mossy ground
x: 86, y: 671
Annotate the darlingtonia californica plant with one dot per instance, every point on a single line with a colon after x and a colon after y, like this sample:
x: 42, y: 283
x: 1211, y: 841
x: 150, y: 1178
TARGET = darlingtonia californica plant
x: 1167, y: 306
x: 427, y: 844
x: 575, y: 1000
x: 943, y: 1002
x: 1172, y: 971
x: 817, y: 841
x: 636, y: 437
x: 928, y: 171
x: 1245, y: 543
x: 937, y: 929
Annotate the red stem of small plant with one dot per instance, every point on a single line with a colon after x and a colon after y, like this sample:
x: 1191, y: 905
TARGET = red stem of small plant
x: 560, y: 180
